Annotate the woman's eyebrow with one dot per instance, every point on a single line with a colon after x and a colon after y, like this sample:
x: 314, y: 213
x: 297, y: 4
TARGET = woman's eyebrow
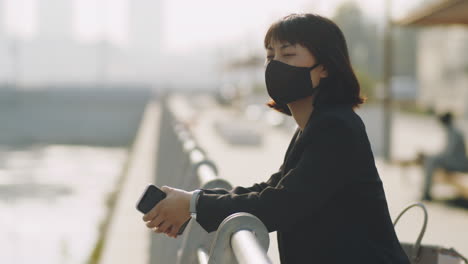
x: 285, y: 46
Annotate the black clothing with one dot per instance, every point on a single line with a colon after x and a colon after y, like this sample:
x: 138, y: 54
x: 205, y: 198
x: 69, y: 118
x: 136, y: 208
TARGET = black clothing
x: 326, y: 202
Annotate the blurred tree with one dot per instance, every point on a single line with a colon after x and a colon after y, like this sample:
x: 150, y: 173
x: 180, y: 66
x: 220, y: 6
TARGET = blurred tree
x: 367, y: 83
x: 365, y: 44
x: 362, y: 38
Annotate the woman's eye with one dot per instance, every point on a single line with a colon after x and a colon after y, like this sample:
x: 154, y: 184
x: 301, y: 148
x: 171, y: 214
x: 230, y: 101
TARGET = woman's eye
x: 289, y: 55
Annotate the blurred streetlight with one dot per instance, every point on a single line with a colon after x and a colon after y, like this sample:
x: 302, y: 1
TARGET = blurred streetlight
x: 387, y: 77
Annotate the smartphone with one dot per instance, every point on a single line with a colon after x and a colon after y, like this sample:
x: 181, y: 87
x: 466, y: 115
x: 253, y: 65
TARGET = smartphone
x: 151, y: 196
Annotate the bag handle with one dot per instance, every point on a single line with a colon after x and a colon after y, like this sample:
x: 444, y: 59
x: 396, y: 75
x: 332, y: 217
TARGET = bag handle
x: 453, y: 252
x: 417, y: 246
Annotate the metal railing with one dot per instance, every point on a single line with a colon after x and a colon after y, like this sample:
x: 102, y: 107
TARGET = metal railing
x: 181, y: 163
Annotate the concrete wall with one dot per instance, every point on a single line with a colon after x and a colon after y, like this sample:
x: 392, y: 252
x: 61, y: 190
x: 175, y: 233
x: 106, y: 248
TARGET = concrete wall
x: 104, y: 117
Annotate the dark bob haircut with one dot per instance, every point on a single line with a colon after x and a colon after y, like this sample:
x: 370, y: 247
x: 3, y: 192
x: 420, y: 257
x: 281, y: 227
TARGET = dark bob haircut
x: 324, y: 39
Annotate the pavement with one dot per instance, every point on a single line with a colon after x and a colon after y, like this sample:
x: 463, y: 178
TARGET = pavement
x: 127, y: 239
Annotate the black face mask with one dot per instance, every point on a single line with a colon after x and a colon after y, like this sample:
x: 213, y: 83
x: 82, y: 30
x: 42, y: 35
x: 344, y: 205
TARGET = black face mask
x: 286, y: 83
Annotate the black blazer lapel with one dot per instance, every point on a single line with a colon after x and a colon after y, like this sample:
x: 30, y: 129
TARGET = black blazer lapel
x: 296, y: 150
x: 298, y: 146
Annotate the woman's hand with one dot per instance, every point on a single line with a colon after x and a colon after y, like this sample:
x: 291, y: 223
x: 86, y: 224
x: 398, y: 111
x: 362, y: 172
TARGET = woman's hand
x: 170, y: 213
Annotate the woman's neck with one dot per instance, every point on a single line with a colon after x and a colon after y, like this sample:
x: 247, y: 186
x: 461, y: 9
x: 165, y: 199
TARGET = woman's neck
x: 301, y: 110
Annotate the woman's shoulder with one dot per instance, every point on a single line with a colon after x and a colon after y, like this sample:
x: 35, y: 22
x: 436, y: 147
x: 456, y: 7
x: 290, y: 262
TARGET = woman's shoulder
x: 336, y: 119
x: 333, y: 111
x: 342, y: 114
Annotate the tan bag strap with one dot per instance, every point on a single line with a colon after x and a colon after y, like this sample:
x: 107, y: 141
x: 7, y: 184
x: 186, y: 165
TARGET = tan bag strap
x: 415, y: 254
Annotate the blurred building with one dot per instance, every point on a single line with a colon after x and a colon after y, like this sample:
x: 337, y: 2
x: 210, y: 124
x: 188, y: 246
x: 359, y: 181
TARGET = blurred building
x: 4, y: 58
x: 442, y: 59
x: 145, y: 37
x: 404, y: 88
x: 55, y: 19
x: 55, y: 57
x: 443, y: 68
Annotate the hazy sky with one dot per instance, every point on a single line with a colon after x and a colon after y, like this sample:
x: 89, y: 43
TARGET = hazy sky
x: 187, y: 23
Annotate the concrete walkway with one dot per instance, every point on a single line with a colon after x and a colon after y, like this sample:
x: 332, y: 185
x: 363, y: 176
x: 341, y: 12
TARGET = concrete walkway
x: 128, y: 239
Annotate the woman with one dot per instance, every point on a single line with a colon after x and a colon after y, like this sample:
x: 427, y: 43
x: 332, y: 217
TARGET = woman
x: 326, y: 202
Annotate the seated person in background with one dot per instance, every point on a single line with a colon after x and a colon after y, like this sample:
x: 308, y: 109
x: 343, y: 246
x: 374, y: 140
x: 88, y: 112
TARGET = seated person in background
x: 452, y: 158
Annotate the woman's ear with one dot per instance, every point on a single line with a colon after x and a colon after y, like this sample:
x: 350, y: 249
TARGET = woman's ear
x: 323, y: 72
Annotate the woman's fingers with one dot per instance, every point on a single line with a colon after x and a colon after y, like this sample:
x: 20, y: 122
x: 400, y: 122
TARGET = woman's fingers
x: 170, y: 232
x: 166, y: 189
x: 173, y: 231
x: 152, y: 213
x: 162, y: 228
x: 169, y: 212
x: 176, y: 227
x: 155, y: 222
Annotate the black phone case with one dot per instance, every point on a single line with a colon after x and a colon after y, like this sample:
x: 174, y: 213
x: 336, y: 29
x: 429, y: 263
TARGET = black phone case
x: 150, y: 198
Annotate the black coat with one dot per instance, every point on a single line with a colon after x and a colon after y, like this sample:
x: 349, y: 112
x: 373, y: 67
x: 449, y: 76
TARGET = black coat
x: 326, y: 202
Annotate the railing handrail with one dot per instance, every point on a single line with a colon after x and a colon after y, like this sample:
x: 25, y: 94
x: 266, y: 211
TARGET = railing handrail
x: 246, y: 249
x: 241, y: 237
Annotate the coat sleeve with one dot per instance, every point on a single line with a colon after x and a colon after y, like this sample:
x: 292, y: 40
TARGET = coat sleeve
x: 319, y: 174
x: 257, y: 187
